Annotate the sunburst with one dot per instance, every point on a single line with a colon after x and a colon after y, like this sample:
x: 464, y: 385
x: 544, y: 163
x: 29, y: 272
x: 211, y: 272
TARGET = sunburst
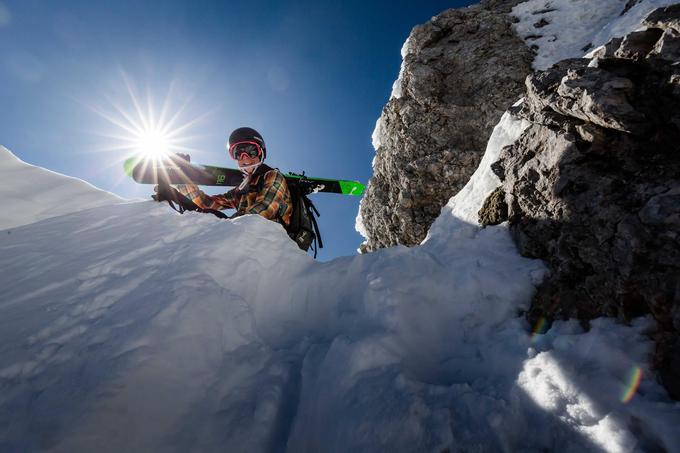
x: 141, y: 129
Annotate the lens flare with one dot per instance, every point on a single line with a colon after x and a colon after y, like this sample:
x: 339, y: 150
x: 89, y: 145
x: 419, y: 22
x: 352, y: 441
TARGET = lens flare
x: 540, y: 328
x: 632, y: 384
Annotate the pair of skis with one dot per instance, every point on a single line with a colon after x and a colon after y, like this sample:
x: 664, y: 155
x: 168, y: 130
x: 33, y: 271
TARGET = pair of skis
x: 173, y: 169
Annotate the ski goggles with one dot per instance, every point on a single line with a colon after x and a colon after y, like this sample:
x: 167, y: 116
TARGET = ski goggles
x: 251, y: 149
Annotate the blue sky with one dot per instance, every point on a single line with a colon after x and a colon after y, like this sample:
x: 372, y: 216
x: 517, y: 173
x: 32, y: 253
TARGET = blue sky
x: 311, y: 76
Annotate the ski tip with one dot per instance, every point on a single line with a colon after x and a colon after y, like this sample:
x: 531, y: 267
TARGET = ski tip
x: 354, y: 188
x: 130, y: 164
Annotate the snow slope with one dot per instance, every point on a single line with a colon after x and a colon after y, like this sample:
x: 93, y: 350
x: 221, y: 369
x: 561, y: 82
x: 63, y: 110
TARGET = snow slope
x: 31, y: 193
x: 130, y: 328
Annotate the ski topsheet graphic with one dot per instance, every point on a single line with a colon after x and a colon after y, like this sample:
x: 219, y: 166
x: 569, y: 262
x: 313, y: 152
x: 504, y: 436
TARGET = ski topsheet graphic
x: 174, y: 169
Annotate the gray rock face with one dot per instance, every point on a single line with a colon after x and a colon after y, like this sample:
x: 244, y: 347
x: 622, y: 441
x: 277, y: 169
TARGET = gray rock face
x: 461, y: 71
x: 593, y: 186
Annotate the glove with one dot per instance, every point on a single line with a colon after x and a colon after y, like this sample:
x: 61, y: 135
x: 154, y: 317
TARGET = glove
x: 161, y: 195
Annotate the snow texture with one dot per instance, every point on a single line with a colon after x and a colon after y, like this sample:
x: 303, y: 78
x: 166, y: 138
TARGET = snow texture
x: 397, y: 88
x: 563, y: 29
x: 126, y: 327
x: 359, y: 226
x: 130, y: 328
x: 31, y: 193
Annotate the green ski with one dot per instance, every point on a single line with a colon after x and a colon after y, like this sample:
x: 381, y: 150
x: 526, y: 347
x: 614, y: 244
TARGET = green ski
x: 174, y: 169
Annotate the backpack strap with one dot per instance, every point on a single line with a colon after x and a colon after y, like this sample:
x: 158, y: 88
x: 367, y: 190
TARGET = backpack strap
x: 309, y: 206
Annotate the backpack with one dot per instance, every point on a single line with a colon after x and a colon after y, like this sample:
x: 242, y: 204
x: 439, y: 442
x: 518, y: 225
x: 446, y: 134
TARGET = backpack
x: 303, y: 228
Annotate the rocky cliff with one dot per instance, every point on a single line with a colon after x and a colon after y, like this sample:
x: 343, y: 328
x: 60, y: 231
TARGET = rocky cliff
x: 592, y: 187
x: 460, y: 72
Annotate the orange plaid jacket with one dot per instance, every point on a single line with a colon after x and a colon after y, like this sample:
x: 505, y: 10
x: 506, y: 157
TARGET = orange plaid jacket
x: 272, y: 201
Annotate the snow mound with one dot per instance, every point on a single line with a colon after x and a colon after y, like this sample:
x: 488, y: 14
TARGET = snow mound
x: 131, y: 328
x: 32, y: 193
x: 560, y: 29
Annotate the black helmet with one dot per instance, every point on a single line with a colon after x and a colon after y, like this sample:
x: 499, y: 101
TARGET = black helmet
x: 247, y: 134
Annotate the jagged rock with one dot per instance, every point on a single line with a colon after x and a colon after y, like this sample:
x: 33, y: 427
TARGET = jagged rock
x: 664, y: 18
x: 668, y: 47
x: 593, y: 187
x: 638, y: 44
x: 460, y: 72
x: 588, y: 93
x: 495, y: 210
x: 607, y: 51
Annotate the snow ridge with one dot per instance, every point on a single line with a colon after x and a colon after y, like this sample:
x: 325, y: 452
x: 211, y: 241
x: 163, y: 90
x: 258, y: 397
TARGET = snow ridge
x: 31, y: 193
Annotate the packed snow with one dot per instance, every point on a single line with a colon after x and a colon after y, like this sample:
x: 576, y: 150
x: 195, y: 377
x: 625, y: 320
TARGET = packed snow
x: 560, y: 29
x: 31, y: 193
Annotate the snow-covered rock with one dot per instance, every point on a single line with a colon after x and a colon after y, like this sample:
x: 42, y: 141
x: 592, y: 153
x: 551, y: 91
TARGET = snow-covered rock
x: 592, y: 185
x: 460, y: 72
x: 561, y: 29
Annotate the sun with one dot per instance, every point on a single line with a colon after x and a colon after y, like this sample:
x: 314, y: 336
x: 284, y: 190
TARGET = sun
x: 135, y: 126
x: 153, y: 142
x: 138, y: 126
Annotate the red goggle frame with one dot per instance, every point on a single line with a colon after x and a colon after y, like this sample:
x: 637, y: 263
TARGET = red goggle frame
x: 248, y: 150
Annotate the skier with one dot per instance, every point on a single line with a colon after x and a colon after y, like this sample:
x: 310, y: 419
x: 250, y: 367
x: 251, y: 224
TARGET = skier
x: 263, y: 191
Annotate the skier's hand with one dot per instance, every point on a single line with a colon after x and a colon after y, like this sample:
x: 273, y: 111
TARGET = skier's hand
x: 157, y: 195
x: 165, y: 193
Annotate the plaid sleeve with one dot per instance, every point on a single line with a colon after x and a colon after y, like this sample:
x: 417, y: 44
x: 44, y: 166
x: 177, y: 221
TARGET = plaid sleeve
x: 271, y: 201
x: 225, y: 201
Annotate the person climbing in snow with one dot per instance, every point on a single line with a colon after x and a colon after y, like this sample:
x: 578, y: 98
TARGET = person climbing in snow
x: 264, y: 190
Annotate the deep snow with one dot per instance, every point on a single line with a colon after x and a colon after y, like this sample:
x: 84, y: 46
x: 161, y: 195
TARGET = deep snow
x: 129, y: 327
